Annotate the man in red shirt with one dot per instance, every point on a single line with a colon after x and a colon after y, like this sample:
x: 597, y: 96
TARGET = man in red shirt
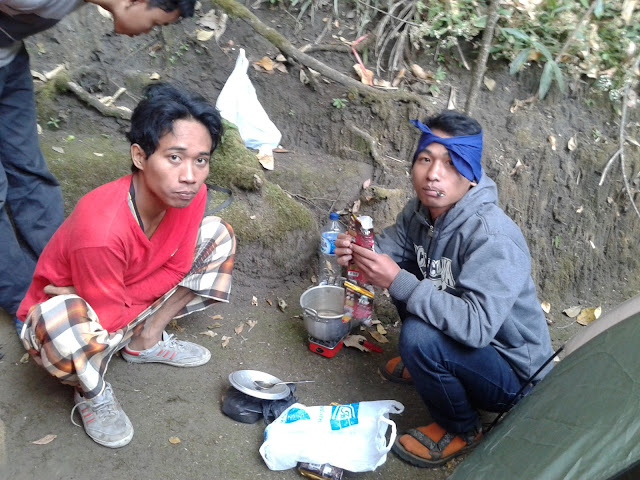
x: 134, y: 254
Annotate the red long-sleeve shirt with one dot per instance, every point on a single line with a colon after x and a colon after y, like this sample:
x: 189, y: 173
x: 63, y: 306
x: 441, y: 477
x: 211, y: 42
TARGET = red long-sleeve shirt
x: 102, y: 252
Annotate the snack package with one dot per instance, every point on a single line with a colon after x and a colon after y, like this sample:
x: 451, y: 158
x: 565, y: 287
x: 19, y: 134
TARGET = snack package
x: 358, y: 292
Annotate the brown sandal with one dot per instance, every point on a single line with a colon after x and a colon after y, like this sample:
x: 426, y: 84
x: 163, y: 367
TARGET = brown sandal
x: 432, y: 446
x: 395, y: 371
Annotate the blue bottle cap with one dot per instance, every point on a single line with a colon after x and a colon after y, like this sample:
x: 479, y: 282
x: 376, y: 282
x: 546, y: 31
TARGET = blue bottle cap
x: 334, y: 216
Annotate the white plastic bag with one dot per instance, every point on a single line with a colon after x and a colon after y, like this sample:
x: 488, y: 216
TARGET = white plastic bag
x: 239, y: 104
x: 352, y: 437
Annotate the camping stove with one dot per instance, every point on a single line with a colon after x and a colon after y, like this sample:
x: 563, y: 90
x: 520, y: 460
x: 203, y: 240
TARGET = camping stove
x: 325, y: 348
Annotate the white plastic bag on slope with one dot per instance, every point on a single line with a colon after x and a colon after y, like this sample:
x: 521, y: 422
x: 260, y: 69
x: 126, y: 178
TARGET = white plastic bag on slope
x: 239, y: 104
x: 352, y: 437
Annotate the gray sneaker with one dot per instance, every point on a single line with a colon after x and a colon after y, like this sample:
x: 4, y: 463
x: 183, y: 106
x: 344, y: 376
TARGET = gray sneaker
x: 171, y: 351
x: 103, y: 418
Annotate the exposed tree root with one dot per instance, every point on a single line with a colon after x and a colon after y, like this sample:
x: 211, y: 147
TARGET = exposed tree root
x: 629, y: 82
x: 380, y: 167
x: 235, y: 9
x: 92, y: 101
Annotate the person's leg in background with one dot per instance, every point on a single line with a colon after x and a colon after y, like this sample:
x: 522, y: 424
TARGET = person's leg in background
x: 31, y: 206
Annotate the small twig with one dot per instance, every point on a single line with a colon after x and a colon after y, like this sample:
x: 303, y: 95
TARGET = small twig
x: 464, y: 61
x: 606, y: 168
x: 394, y: 159
x: 325, y: 30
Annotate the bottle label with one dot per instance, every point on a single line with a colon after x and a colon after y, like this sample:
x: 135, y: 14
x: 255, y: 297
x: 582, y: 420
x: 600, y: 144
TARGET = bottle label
x: 328, y: 243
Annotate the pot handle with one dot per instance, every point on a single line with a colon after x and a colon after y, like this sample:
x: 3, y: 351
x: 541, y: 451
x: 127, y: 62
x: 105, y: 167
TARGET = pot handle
x: 310, y: 311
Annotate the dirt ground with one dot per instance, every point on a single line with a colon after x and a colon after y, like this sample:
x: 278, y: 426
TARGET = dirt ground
x: 582, y: 237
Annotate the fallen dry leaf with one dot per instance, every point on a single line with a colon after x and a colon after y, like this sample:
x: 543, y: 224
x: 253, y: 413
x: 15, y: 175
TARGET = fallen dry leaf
x: 281, y: 58
x: 572, y: 311
x: 580, y: 209
x: 252, y: 323
x: 282, y: 304
x: 209, y: 333
x: 239, y: 329
x: 381, y: 329
x: 552, y: 141
x: 154, y: 76
x: 354, y: 341
x: 379, y: 338
x: 254, y: 301
x: 58, y: 149
x: 489, y: 83
x: 398, y: 78
x: 366, y: 183
x: 419, y: 72
x: 174, y: 324
x: 266, y: 161
x: 366, y: 76
x: 204, y: 35
x: 215, y: 317
x: 225, y: 341
x: 266, y: 63
x: 519, y: 166
x: 281, y: 67
x: 97, y: 154
x: 588, y: 315
x: 174, y: 440
x: 546, y: 307
x: 44, y: 440
x: 24, y: 358
x: 270, y: 302
x: 215, y: 325
x: 572, y: 144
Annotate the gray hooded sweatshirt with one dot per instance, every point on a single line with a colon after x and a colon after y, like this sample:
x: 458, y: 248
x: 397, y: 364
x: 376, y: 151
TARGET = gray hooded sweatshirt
x: 476, y: 284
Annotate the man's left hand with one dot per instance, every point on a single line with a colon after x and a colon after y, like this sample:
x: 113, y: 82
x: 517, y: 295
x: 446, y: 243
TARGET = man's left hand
x: 379, y: 268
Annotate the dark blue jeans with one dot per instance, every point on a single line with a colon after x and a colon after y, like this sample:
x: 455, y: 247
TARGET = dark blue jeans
x: 31, y: 207
x: 455, y: 380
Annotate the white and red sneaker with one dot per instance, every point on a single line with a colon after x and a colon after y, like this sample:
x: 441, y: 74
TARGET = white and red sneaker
x: 170, y: 351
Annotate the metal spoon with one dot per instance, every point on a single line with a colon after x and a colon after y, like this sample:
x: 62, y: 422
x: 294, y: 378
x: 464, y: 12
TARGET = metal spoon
x: 261, y: 385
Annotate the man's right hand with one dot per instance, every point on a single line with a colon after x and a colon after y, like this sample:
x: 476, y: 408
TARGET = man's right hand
x: 53, y: 291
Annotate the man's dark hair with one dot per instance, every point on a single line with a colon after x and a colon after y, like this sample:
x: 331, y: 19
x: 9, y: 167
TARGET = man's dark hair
x: 454, y: 123
x: 161, y: 106
x: 186, y: 7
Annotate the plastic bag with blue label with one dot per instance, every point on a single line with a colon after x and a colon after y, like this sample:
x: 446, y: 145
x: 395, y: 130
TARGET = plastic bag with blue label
x: 352, y: 437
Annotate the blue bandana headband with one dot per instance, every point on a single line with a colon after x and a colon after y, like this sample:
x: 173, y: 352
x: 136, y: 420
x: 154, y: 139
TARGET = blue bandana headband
x: 465, y: 151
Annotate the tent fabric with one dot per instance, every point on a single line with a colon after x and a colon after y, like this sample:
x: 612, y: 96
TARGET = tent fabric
x: 581, y: 422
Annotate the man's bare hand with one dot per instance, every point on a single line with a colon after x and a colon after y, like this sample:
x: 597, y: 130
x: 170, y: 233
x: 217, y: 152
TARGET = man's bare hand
x: 53, y: 291
x: 379, y: 268
x: 343, y: 249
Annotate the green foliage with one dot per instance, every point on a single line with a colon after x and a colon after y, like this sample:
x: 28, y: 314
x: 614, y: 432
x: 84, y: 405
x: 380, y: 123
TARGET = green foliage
x: 54, y: 122
x: 601, y: 48
x: 339, y: 103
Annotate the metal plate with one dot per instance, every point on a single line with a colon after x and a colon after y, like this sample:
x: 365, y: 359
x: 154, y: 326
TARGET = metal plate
x: 243, y: 380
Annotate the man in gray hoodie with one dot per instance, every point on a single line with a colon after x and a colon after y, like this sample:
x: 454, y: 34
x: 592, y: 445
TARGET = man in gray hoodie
x: 459, y: 271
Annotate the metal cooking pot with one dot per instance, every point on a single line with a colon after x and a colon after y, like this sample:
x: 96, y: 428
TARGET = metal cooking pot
x: 323, y: 308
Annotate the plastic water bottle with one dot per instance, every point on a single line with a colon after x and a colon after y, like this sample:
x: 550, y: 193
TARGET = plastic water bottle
x: 329, y: 270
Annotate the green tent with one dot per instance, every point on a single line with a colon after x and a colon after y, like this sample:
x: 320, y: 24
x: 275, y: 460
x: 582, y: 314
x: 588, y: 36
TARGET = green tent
x: 582, y: 421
